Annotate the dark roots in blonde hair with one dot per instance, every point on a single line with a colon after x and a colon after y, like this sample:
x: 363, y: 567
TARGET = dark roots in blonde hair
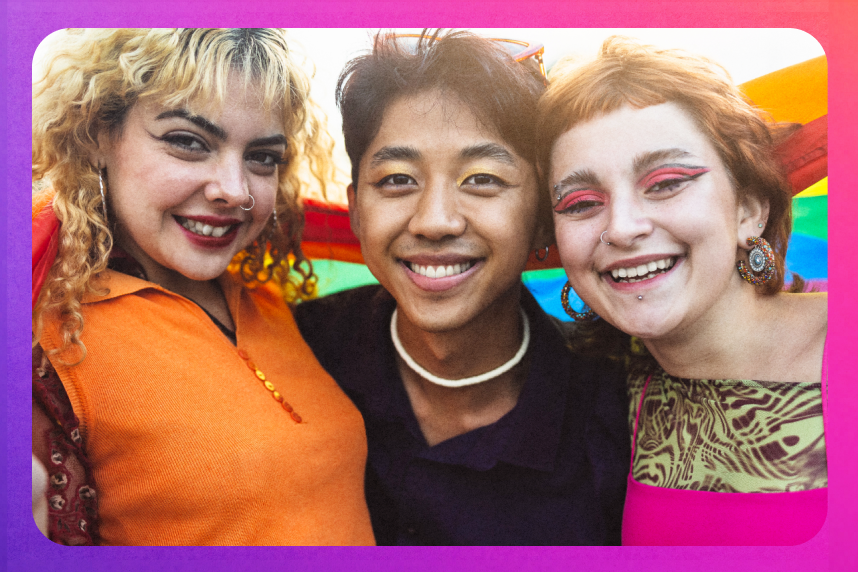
x: 93, y: 80
x: 627, y: 73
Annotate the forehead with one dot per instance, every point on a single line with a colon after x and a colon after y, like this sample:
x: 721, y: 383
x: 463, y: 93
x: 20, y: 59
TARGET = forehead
x: 432, y: 122
x: 618, y: 137
x: 239, y: 97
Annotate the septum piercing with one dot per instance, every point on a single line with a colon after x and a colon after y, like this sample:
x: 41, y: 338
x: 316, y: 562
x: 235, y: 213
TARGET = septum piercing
x: 252, y: 203
x: 602, y: 238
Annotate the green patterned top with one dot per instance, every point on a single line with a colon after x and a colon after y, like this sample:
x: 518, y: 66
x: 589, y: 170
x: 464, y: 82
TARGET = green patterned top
x: 728, y: 435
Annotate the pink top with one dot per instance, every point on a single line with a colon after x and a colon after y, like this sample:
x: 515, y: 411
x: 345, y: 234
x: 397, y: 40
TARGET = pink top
x: 656, y: 516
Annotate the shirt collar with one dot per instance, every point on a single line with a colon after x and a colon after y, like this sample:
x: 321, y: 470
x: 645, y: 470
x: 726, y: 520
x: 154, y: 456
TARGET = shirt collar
x: 114, y: 284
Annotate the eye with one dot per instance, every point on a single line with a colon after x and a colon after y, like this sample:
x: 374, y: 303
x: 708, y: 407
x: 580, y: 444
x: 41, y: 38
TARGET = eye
x: 668, y: 184
x: 396, y: 180
x: 672, y: 180
x: 483, y: 179
x: 185, y: 142
x: 581, y: 202
x: 265, y: 161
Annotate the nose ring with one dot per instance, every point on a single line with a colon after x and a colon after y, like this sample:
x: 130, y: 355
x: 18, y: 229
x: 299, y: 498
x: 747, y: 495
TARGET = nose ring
x: 252, y: 203
x: 602, y: 238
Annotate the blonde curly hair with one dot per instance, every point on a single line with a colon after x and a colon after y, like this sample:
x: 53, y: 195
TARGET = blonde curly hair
x: 94, y: 79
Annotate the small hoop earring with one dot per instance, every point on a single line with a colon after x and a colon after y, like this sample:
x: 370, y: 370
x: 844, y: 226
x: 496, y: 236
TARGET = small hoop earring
x: 602, y: 238
x: 587, y: 315
x: 252, y: 203
x: 761, y: 260
x: 101, y: 190
x: 544, y: 256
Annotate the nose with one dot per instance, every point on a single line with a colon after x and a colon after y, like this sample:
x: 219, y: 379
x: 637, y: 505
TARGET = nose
x: 438, y: 212
x: 228, y: 185
x: 629, y: 221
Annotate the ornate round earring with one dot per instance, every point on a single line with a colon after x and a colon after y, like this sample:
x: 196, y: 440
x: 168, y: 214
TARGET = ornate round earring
x: 761, y: 260
x: 585, y: 316
x: 544, y: 255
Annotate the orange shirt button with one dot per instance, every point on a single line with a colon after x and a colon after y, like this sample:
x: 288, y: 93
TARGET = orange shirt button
x: 260, y: 375
x: 277, y: 396
x: 251, y: 365
x: 295, y: 416
x: 287, y: 407
x: 243, y: 355
x: 269, y: 386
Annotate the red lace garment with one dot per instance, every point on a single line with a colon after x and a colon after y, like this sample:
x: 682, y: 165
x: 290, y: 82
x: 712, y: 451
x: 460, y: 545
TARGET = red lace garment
x: 72, y: 501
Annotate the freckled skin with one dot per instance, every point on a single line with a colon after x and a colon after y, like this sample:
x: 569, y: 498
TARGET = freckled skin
x: 698, y: 221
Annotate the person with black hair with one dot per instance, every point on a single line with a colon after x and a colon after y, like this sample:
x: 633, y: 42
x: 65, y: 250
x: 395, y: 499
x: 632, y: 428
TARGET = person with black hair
x: 483, y: 428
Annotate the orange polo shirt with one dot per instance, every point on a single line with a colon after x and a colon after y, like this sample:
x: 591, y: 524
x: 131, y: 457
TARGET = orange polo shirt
x: 187, y: 445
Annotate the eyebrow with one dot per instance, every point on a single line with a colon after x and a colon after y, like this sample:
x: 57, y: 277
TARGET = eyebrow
x: 488, y: 151
x: 479, y: 151
x: 197, y: 120
x: 219, y: 132
x: 585, y: 177
x: 395, y: 154
x: 645, y: 160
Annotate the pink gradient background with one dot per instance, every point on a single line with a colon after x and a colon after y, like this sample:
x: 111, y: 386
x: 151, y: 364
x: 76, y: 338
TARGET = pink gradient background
x: 833, y: 24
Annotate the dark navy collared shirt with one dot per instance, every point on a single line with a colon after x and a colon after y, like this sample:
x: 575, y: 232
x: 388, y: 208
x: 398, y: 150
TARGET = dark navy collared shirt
x: 552, y: 471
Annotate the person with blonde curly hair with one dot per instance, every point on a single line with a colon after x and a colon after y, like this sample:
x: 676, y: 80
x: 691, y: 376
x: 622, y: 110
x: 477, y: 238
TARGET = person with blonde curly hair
x: 167, y: 225
x: 672, y: 219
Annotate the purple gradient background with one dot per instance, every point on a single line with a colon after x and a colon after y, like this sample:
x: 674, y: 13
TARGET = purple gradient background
x: 831, y: 23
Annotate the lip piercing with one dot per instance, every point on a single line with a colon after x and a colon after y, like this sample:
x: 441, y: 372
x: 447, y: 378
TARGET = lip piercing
x: 252, y: 203
x: 602, y: 238
x: 640, y: 297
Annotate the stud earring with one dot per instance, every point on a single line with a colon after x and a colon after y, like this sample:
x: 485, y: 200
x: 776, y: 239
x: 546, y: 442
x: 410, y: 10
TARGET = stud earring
x: 761, y: 260
x: 585, y: 316
x: 544, y: 255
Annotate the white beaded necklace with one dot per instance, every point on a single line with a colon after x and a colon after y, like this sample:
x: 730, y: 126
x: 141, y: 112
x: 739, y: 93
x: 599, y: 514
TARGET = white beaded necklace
x: 498, y: 371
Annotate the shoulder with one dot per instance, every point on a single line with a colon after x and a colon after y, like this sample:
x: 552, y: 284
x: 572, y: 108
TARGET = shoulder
x: 797, y: 331
x: 343, y: 322
x: 346, y: 308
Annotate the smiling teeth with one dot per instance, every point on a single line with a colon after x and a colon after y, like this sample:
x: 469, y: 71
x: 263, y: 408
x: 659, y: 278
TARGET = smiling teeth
x: 203, y: 229
x: 643, y: 271
x: 440, y: 271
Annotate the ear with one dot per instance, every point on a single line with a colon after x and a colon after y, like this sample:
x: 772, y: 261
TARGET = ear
x: 544, y: 235
x: 98, y: 152
x: 354, y: 215
x: 753, y: 214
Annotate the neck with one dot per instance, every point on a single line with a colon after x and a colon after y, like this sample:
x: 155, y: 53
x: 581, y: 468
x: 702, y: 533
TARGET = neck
x: 487, y: 342
x: 721, y: 344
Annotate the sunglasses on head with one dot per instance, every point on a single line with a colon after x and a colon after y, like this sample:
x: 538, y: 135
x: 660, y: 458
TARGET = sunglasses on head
x: 528, y: 54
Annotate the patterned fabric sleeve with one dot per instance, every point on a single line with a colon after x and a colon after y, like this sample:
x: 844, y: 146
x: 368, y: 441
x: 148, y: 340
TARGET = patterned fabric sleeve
x: 57, y: 443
